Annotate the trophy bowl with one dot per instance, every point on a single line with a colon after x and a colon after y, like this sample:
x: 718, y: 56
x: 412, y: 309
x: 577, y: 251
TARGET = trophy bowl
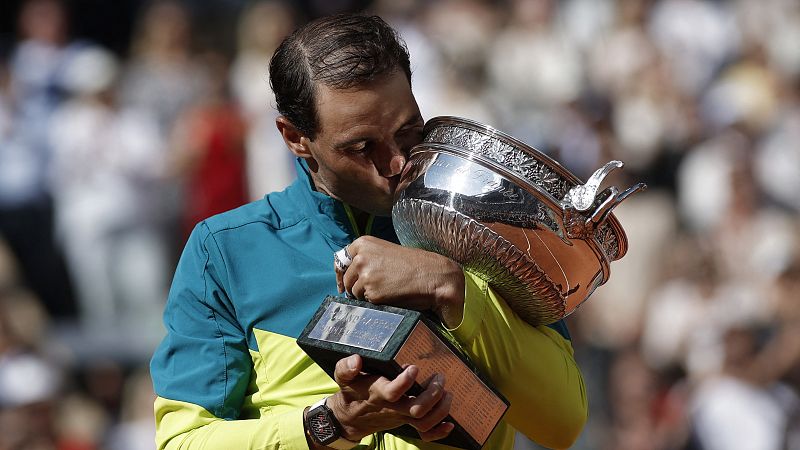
x: 503, y: 210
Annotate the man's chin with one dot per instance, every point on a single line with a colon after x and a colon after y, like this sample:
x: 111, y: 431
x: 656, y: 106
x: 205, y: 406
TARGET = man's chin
x: 383, y: 211
x: 379, y: 209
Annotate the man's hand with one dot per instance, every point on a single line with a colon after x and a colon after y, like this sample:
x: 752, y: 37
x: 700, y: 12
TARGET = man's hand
x: 367, y: 403
x: 385, y: 273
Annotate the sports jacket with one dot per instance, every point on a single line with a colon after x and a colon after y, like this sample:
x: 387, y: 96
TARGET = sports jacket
x: 229, y: 375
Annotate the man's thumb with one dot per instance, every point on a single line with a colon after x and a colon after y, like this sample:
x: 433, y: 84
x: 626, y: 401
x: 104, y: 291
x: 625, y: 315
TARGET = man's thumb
x: 347, y: 369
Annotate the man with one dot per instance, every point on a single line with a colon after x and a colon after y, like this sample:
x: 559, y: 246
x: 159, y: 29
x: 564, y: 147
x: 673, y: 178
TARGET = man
x: 229, y: 374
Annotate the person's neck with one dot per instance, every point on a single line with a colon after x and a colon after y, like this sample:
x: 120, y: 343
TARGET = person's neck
x: 362, y: 220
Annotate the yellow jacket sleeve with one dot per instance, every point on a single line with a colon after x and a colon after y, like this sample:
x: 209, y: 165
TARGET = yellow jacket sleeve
x: 182, y: 425
x: 533, y: 367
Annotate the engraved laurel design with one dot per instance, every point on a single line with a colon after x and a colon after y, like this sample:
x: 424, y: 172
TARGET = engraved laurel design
x: 523, y: 165
x: 607, y: 238
x: 505, y: 154
x: 515, y: 276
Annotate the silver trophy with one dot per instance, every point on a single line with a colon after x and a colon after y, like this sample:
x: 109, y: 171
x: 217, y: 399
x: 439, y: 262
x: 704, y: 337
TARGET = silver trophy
x: 541, y: 238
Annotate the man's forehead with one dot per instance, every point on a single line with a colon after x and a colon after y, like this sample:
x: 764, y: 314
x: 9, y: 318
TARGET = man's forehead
x: 387, y: 101
x: 376, y: 89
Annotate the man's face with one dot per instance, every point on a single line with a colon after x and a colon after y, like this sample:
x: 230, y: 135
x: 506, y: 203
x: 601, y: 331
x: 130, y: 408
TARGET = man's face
x: 365, y: 134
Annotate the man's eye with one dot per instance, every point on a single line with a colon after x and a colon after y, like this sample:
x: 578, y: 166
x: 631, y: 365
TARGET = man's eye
x: 361, y: 148
x: 413, y: 130
x: 409, y: 137
x: 411, y: 133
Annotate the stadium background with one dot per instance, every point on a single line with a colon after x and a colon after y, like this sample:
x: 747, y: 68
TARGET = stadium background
x: 123, y: 123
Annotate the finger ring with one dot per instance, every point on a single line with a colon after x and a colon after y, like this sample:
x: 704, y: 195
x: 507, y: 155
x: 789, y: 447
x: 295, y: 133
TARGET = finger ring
x: 341, y: 259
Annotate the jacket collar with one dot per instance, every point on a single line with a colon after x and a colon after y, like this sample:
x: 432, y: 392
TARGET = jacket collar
x: 330, y: 216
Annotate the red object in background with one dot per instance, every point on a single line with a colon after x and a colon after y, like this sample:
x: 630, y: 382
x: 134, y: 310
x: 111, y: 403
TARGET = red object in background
x: 216, y: 176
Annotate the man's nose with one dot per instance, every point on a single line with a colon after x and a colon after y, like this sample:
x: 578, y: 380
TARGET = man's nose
x: 394, y: 162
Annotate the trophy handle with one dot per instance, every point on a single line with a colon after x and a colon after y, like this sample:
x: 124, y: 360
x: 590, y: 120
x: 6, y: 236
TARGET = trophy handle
x: 614, y: 198
x: 576, y: 203
x: 582, y: 197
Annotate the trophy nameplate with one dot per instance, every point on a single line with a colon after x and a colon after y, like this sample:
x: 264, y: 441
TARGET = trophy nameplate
x: 390, y: 338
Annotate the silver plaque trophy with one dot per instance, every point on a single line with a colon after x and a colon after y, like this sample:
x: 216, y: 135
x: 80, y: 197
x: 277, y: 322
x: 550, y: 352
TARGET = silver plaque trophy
x: 505, y: 211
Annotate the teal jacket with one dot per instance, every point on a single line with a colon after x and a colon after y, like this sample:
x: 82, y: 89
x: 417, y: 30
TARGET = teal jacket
x: 229, y: 374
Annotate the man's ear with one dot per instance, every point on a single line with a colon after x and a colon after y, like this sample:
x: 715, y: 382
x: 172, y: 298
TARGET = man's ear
x: 294, y: 138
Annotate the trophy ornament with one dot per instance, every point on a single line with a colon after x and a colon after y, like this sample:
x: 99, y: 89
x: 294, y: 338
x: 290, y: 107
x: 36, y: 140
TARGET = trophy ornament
x: 509, y: 213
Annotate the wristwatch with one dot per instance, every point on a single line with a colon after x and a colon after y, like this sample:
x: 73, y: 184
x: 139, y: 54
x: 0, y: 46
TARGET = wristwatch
x: 323, y: 428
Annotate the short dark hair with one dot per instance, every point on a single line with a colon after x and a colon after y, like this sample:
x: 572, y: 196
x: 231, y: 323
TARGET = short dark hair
x: 339, y: 51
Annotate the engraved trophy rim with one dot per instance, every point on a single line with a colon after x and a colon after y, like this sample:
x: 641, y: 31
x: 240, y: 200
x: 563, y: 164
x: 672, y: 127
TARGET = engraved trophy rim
x: 608, y: 254
x: 503, y: 136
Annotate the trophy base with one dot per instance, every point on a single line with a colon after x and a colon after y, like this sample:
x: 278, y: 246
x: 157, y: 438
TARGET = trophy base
x: 389, y: 339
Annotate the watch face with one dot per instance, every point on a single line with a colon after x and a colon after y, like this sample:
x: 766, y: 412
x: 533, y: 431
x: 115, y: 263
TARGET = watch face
x: 321, y: 427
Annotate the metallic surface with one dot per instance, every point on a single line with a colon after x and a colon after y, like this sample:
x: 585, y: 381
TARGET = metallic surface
x: 542, y: 239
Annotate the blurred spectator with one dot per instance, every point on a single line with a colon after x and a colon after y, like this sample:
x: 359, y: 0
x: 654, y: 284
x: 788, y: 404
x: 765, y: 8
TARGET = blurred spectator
x: 643, y: 112
x: 533, y: 66
x: 580, y: 139
x: 645, y: 414
x: 30, y: 88
x: 136, y: 427
x: 777, y: 159
x: 745, y: 92
x: 30, y: 386
x: 775, y: 25
x: 81, y: 423
x: 209, y: 150
x: 746, y: 405
x: 623, y: 51
x: 162, y: 76
x: 613, y: 316
x: 704, y: 179
x: 28, y: 392
x: 107, y: 168
x: 411, y: 19
x: 696, y: 37
x: 261, y: 28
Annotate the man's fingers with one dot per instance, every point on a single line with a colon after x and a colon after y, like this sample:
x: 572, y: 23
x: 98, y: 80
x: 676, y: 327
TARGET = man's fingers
x: 435, y: 416
x: 423, y: 403
x: 394, y: 390
x: 349, y: 279
x: 440, y: 431
x: 358, y: 290
x: 347, y: 369
x: 339, y: 281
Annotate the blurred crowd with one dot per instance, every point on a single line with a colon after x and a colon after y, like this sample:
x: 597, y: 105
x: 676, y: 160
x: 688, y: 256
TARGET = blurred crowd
x: 109, y: 158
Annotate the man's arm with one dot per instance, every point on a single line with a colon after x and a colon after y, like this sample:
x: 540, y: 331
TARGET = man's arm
x: 183, y: 425
x: 533, y: 367
x: 202, y: 367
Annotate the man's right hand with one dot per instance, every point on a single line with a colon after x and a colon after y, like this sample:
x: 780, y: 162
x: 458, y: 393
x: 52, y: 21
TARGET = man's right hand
x: 368, y: 404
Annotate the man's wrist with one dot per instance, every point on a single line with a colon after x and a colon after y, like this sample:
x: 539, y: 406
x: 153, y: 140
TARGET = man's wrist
x: 449, y: 303
x: 323, y: 429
